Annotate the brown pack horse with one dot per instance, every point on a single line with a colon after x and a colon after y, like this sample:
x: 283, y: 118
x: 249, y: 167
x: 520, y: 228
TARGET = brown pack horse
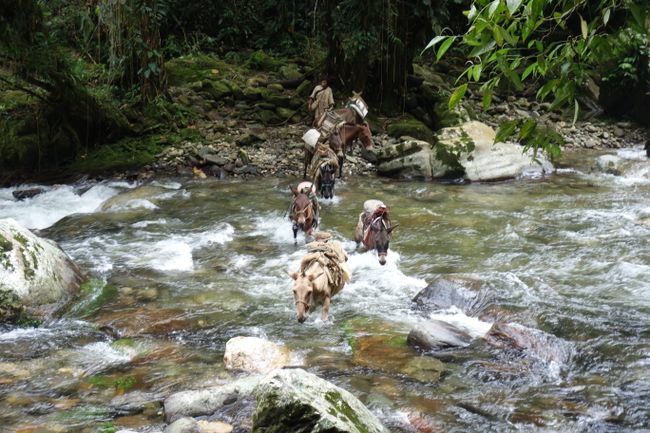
x: 374, y: 228
x: 303, y: 210
x: 341, y: 139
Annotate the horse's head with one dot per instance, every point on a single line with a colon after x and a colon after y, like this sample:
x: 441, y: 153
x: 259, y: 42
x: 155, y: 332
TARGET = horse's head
x: 301, y: 209
x: 303, y: 293
x: 326, y: 181
x: 365, y: 136
x: 380, y: 230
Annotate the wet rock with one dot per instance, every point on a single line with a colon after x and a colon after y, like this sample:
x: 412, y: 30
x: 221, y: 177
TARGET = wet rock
x: 543, y: 346
x: 294, y: 397
x: 144, y: 192
x: 183, y: 425
x: 134, y: 402
x: 34, y: 273
x: 207, y: 401
x: 431, y: 335
x: 444, y: 293
x: 22, y: 194
x: 214, y: 427
x: 609, y: 164
x: 410, y: 159
x: 412, y: 128
x: 250, y: 138
x: 254, y: 355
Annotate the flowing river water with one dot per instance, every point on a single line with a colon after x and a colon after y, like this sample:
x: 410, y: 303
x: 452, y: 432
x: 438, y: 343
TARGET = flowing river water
x: 181, y: 266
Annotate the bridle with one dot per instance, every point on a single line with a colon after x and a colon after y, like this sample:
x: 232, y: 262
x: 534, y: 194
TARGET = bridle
x: 304, y: 303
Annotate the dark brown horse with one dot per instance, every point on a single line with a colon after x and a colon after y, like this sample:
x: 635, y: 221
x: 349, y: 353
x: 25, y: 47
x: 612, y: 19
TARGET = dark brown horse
x: 303, y: 210
x: 374, y: 228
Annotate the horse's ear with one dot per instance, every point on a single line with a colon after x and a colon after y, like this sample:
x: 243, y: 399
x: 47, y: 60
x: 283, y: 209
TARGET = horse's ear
x: 312, y: 277
x: 391, y: 228
x: 293, y: 189
x: 293, y: 275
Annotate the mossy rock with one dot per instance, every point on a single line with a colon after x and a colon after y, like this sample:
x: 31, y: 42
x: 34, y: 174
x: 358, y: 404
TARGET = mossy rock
x: 94, y: 294
x: 284, y: 113
x: 11, y: 307
x: 290, y: 72
x: 412, y: 128
x: 275, y: 87
x: 447, y: 117
x: 217, y: 89
x: 268, y: 117
x: 277, y: 100
x: 188, y: 69
x: 261, y: 61
x: 254, y: 93
x: 304, y: 88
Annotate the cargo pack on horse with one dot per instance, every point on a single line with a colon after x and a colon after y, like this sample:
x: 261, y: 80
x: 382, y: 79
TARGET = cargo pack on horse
x: 374, y: 228
x: 323, y: 273
x: 340, y: 128
x: 322, y: 170
x: 303, y: 210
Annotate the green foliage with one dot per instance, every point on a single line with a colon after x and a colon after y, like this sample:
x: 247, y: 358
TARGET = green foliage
x: 532, y: 136
x: 120, y: 383
x: 557, y: 45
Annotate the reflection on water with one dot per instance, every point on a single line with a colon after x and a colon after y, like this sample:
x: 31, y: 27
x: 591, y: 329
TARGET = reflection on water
x: 564, y: 262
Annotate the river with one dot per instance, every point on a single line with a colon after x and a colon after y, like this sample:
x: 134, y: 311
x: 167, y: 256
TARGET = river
x: 180, y: 266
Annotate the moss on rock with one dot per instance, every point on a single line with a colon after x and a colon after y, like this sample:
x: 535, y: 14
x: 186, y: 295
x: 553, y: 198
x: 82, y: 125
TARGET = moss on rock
x: 411, y: 127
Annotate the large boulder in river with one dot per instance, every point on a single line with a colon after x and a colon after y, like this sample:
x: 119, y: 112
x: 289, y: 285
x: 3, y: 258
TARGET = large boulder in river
x: 433, y: 335
x: 445, y: 293
x: 410, y: 159
x: 484, y: 160
x: 34, y: 273
x: 205, y: 402
x: 468, y: 148
x: 254, y: 355
x: 294, y: 400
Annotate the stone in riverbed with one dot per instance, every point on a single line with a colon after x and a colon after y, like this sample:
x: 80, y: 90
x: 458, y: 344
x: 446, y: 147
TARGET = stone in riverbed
x: 183, y: 425
x: 293, y: 397
x: 34, y: 273
x: 431, y: 335
x: 207, y: 401
x: 254, y: 355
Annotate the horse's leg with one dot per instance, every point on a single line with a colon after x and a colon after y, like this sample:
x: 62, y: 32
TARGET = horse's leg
x: 304, y: 165
x: 295, y: 234
x: 326, y: 308
x: 341, y: 160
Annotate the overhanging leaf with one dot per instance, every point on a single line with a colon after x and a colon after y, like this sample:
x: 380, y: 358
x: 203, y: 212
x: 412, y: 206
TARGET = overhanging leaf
x: 493, y: 7
x: 457, y: 95
x: 513, y: 5
x: 505, y: 131
x: 444, y: 47
x: 433, y: 42
x: 487, y: 99
x: 576, y: 111
x: 527, y: 129
x: 606, y: 16
x: 584, y: 28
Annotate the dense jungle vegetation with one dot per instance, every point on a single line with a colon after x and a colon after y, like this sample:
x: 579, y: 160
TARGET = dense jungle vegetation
x: 77, y: 75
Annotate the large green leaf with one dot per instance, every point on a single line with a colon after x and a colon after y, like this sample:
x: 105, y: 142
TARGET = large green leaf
x: 457, y: 95
x: 513, y: 5
x: 505, y: 131
x: 433, y: 42
x: 527, y: 129
x: 444, y: 47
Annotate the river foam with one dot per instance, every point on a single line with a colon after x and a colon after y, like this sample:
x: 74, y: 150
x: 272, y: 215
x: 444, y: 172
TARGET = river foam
x: 55, y: 203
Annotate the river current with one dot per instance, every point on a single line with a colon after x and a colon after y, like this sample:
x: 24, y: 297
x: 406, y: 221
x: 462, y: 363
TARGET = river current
x: 180, y: 266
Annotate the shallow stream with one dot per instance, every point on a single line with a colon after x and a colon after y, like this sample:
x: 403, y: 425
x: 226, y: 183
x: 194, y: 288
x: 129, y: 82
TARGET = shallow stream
x: 181, y: 266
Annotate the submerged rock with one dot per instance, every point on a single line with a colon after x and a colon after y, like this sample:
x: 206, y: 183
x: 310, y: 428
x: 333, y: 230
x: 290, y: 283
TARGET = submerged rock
x: 437, y: 335
x: 22, y: 194
x: 290, y: 398
x: 183, y: 425
x: 610, y: 164
x: 207, y: 401
x: 255, y: 355
x: 34, y: 273
x: 444, y: 293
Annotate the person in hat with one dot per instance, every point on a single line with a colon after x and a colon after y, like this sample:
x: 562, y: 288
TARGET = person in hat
x: 320, y: 100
